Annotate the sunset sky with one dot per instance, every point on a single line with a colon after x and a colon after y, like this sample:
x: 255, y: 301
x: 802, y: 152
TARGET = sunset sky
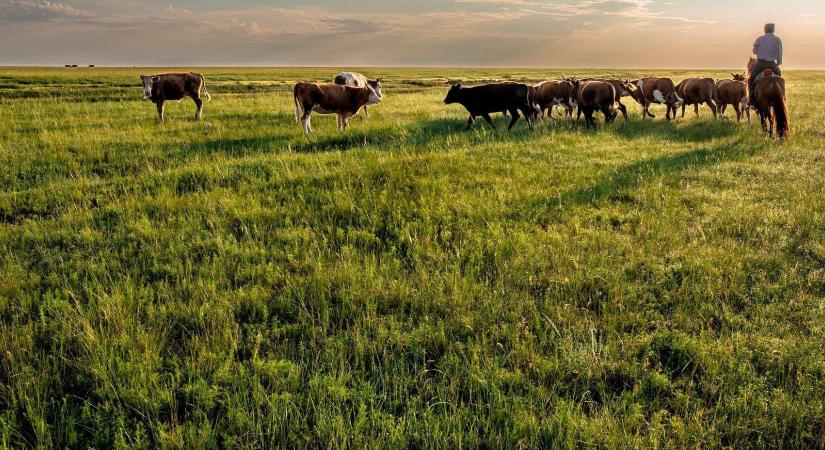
x: 567, y: 33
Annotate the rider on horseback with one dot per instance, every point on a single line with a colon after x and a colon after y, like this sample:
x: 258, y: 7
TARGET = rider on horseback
x: 768, y: 51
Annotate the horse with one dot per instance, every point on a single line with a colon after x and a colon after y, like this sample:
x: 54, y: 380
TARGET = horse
x: 771, y: 105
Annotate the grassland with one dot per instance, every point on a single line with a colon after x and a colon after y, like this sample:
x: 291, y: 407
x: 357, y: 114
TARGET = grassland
x: 233, y: 284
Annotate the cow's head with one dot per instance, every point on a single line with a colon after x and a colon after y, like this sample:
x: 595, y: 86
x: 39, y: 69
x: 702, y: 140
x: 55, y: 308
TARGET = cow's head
x: 454, y: 95
x: 738, y: 77
x: 148, y: 82
x: 374, y: 97
x: 376, y: 86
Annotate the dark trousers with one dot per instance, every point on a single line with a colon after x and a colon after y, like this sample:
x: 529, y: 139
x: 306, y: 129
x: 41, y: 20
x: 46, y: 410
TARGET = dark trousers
x: 760, y: 66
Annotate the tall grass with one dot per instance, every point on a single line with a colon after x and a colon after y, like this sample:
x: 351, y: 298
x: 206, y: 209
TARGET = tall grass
x: 231, y: 283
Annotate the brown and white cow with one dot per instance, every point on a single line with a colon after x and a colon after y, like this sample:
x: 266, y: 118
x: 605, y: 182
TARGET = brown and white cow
x: 345, y: 101
x: 547, y: 94
x: 695, y: 91
x: 175, y: 86
x: 622, y: 90
x: 355, y: 79
x: 650, y: 90
x: 596, y: 95
x: 734, y: 92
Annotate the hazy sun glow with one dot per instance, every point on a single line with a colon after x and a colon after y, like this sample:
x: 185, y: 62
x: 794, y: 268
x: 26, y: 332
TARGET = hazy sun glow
x: 566, y: 33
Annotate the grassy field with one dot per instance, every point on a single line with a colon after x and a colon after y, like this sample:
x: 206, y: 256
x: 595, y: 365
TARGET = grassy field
x: 231, y: 283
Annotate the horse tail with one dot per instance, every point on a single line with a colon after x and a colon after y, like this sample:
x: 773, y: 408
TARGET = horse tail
x: 780, y: 111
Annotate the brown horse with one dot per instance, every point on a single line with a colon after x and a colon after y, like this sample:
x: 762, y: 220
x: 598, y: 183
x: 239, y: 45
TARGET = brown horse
x: 771, y: 104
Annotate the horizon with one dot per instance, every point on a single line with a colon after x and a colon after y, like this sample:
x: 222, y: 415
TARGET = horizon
x: 595, y: 34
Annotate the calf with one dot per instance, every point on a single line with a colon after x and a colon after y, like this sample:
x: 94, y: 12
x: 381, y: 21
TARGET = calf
x: 345, y: 101
x: 175, y: 86
x: 547, y: 94
x: 621, y: 91
x: 492, y: 98
x: 695, y: 91
x: 650, y: 90
x: 734, y: 92
x: 593, y: 95
x: 355, y: 79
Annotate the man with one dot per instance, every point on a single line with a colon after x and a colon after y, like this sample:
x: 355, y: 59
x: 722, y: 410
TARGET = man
x: 768, y: 51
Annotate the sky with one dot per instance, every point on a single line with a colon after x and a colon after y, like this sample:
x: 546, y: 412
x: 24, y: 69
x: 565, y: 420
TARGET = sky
x: 698, y: 34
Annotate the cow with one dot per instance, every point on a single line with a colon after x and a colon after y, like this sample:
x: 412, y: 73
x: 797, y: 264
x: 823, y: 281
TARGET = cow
x: 734, y: 92
x: 593, y: 95
x: 621, y: 91
x: 493, y: 98
x: 695, y: 91
x: 175, y: 86
x: 647, y: 91
x: 355, y: 79
x: 547, y: 94
x: 345, y: 101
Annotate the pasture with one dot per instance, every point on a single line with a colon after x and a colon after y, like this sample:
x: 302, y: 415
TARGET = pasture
x: 231, y: 283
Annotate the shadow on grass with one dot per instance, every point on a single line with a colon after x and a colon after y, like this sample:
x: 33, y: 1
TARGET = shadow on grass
x: 443, y: 131
x: 675, y: 130
x: 631, y: 176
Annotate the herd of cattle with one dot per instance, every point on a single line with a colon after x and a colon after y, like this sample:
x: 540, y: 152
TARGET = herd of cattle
x: 350, y: 92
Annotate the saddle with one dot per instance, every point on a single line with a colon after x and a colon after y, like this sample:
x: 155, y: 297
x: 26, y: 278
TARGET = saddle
x: 767, y: 73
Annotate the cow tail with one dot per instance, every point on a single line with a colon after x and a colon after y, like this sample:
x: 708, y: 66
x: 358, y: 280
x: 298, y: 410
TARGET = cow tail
x: 298, y: 110
x: 205, y: 91
x: 780, y: 111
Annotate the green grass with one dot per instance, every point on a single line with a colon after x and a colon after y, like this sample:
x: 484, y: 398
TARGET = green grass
x: 233, y: 284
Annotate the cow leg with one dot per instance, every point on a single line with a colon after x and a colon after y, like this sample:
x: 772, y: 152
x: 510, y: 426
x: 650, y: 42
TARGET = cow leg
x: 684, y: 106
x: 748, y: 112
x: 489, y: 120
x: 160, y: 111
x: 527, y: 116
x: 696, y: 109
x: 713, y: 108
x: 514, y: 119
x: 366, y: 114
x: 623, y: 109
x: 199, y: 106
x: 470, y: 122
x: 588, y: 117
x: 305, y: 123
x: 606, y: 112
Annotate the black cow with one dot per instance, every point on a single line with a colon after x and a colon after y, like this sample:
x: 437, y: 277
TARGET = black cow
x: 493, y: 98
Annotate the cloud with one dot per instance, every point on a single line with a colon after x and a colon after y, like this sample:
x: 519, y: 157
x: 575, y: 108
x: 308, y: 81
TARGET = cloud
x: 38, y: 10
x: 629, y: 9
